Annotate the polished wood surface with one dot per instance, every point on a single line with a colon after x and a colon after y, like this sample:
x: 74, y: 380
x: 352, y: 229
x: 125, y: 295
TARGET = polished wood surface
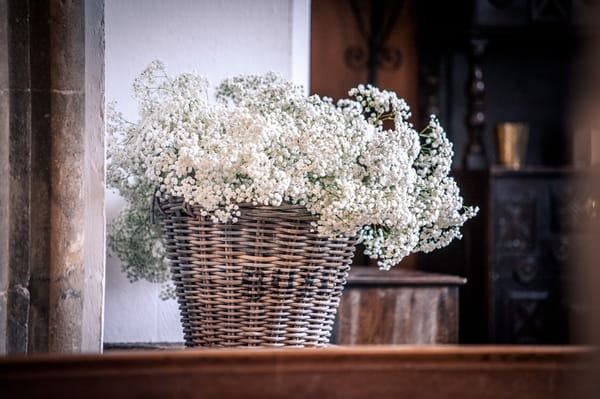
x: 335, y: 372
x: 398, y: 307
x: 374, y: 276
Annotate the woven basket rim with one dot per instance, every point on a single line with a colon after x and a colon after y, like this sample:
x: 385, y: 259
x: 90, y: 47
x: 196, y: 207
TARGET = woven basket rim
x: 160, y: 202
x: 195, y: 210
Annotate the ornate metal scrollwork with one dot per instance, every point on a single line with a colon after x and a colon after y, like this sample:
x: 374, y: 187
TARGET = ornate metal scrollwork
x: 355, y: 57
x: 390, y: 58
x: 377, y: 55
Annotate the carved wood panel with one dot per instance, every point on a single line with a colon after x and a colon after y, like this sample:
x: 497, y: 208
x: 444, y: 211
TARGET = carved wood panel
x: 526, y: 316
x: 515, y: 222
x: 532, y: 213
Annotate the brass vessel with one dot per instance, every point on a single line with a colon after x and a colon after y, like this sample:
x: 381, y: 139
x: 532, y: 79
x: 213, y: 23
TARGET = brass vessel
x: 512, y: 144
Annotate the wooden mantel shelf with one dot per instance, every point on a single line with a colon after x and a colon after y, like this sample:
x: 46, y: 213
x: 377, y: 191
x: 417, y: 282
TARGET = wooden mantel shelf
x: 363, y: 275
x: 334, y: 372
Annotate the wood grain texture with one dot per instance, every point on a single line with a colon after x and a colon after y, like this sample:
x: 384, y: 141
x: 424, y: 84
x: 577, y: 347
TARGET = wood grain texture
x: 336, y: 372
x: 398, y: 307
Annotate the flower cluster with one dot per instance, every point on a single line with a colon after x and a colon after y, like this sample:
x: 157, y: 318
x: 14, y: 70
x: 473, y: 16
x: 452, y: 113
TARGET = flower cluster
x: 358, y: 165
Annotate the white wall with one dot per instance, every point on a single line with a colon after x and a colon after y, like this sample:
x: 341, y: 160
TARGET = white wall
x: 93, y: 174
x: 216, y: 38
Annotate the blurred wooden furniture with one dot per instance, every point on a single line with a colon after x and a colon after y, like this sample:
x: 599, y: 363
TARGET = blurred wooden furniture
x: 516, y: 255
x: 509, y: 61
x: 398, y: 307
x: 534, y: 216
x: 339, y: 372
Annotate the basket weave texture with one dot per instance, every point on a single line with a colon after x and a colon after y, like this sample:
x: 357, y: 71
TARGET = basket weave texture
x: 266, y: 280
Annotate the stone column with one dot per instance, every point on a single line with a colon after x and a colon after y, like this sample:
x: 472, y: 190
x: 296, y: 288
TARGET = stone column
x: 15, y: 155
x: 51, y: 185
x: 4, y: 173
x: 67, y: 153
x: 40, y: 171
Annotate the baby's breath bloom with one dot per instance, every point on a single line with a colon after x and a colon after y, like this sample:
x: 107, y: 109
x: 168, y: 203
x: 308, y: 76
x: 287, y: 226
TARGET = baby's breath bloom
x: 262, y: 141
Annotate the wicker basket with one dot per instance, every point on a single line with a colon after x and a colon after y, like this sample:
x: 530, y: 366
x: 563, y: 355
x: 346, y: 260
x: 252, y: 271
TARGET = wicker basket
x: 266, y: 280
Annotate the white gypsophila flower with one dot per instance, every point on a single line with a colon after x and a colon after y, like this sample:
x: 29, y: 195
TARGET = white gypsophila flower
x: 358, y: 165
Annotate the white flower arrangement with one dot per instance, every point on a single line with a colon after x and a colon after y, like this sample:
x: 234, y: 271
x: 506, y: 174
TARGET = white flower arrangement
x: 358, y: 165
